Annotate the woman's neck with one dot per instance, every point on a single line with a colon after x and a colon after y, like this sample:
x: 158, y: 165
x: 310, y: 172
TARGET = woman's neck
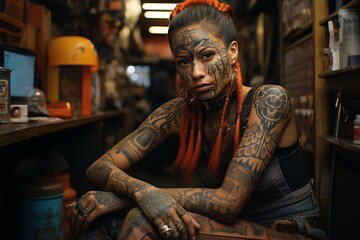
x: 215, y: 104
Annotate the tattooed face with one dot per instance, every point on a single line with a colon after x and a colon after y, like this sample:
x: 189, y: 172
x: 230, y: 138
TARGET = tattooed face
x: 202, y: 62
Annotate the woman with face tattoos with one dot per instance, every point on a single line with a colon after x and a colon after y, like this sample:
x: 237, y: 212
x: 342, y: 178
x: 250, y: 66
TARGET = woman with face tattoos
x: 240, y: 142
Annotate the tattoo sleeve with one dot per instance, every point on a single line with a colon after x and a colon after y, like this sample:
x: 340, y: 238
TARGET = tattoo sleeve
x: 267, y: 121
x: 107, y: 172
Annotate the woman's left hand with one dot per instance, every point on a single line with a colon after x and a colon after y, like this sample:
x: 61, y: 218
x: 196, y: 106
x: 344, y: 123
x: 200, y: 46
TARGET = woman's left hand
x: 169, y: 217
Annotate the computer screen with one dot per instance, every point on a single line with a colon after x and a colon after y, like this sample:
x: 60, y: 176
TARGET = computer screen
x: 21, y: 62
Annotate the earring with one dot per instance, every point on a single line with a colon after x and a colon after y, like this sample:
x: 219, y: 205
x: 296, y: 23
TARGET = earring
x: 185, y: 95
x: 233, y: 62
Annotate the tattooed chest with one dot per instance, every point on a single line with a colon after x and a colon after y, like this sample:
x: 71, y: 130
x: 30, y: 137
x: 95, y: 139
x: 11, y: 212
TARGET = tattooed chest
x: 209, y: 138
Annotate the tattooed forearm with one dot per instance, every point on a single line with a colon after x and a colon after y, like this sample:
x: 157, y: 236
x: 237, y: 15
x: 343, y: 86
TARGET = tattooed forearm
x: 125, y: 185
x: 151, y: 132
x: 213, y: 203
x: 139, y: 143
x: 110, y: 200
x: 105, y: 172
x: 136, y: 226
x: 99, y: 173
x: 241, y: 229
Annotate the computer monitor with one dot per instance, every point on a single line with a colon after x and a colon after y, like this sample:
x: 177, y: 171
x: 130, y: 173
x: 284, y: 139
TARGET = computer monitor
x: 21, y: 62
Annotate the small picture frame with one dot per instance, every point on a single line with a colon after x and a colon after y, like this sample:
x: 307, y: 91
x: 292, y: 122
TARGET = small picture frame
x: 19, y: 113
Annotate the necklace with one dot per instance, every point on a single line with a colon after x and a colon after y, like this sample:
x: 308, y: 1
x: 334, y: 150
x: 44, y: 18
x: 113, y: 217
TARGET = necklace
x: 216, y: 104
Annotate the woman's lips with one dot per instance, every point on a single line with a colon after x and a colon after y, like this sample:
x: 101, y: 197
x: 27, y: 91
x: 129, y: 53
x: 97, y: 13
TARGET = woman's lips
x: 202, y: 88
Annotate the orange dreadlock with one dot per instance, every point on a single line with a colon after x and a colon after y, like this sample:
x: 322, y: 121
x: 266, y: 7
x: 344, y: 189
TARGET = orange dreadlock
x: 222, y: 7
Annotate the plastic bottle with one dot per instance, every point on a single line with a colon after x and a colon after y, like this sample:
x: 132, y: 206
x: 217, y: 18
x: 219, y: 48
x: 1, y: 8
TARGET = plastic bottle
x: 357, y: 129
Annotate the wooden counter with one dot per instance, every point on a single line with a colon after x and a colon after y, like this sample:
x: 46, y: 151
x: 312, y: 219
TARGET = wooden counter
x: 15, y: 132
x: 37, y: 147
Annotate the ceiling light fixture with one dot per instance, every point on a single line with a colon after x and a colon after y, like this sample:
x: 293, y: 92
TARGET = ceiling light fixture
x: 157, y: 14
x: 158, y: 6
x: 158, y: 30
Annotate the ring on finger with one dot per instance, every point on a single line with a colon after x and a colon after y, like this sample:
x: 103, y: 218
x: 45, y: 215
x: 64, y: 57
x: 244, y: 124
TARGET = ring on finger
x: 80, y: 209
x: 88, y: 211
x: 164, y: 229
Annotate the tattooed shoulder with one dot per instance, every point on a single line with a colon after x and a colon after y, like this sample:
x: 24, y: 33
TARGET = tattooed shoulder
x: 272, y: 106
x: 272, y: 103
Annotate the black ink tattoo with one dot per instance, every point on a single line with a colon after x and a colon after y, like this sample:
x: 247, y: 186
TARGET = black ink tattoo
x: 187, y: 44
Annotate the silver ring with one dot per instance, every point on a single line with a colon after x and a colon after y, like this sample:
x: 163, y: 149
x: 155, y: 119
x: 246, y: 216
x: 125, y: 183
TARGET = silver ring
x: 165, y: 228
x: 88, y: 210
x: 81, y: 210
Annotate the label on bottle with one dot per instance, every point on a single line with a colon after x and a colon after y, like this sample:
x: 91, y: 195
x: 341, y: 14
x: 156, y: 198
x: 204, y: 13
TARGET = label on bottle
x: 4, y: 101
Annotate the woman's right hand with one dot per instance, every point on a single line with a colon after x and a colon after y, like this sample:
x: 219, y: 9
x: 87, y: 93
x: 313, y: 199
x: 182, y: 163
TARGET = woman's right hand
x: 82, y: 212
x: 171, y: 220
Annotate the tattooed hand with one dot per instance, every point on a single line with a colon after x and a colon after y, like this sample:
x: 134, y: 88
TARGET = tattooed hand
x: 161, y: 209
x: 82, y: 212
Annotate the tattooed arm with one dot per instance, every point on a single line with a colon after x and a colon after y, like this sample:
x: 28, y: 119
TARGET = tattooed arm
x: 270, y: 117
x: 107, y: 170
x: 156, y: 204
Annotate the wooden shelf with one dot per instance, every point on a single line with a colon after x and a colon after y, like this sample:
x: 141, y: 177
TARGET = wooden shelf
x: 352, y: 4
x: 340, y: 71
x: 342, y: 143
x: 335, y: 156
x: 16, y: 132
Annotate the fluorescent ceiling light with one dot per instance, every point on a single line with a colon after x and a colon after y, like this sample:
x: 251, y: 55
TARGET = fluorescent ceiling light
x: 158, y: 29
x: 158, y: 6
x: 157, y: 14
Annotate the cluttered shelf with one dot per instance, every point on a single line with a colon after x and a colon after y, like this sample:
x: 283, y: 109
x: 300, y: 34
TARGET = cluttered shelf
x: 342, y: 143
x: 340, y: 71
x: 351, y: 4
x: 15, y: 132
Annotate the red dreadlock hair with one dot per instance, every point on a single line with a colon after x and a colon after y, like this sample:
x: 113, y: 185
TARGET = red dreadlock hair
x: 191, y: 131
x: 223, y: 7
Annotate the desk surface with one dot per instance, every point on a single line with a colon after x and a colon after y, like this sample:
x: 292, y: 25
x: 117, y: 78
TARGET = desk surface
x: 14, y: 132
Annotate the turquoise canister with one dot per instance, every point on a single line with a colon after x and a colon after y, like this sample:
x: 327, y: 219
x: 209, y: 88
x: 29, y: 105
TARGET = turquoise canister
x: 39, y: 211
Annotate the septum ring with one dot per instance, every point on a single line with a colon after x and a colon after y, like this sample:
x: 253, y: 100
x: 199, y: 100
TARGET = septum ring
x: 165, y: 228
